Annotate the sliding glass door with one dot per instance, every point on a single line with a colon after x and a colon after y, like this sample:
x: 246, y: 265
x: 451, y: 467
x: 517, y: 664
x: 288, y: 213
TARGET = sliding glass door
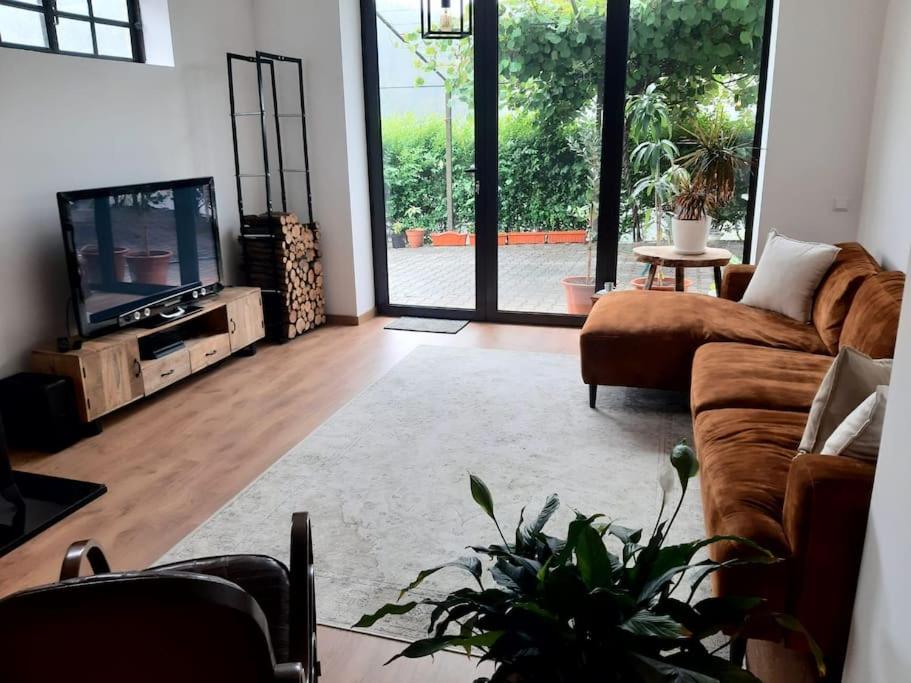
x: 514, y: 169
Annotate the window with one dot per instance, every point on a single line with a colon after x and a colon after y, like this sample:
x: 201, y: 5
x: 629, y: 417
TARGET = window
x: 109, y: 29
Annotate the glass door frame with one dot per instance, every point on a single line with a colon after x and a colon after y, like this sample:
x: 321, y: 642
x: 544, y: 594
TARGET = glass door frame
x: 486, y: 91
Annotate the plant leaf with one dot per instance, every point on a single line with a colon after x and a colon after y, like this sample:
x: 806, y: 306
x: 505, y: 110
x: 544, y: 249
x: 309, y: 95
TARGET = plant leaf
x: 470, y: 564
x: 395, y: 608
x: 429, y: 646
x: 792, y: 624
x: 593, y: 559
x: 647, y: 623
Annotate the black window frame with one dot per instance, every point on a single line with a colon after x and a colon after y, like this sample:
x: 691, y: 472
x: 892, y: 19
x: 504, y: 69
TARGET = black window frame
x: 48, y: 9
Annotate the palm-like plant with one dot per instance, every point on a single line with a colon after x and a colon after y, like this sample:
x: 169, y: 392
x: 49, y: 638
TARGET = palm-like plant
x: 712, y: 156
x: 571, y: 611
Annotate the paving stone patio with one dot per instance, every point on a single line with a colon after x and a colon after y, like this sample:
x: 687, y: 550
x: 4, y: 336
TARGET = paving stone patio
x: 529, y: 275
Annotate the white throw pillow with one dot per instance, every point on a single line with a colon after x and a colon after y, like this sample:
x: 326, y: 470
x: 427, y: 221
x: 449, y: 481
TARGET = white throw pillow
x: 860, y: 433
x: 851, y: 378
x: 787, y: 276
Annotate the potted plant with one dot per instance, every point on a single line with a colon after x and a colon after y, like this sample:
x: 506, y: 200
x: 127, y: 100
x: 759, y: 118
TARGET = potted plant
x: 585, y: 140
x: 603, y: 604
x: 398, y: 235
x: 149, y: 266
x: 91, y: 262
x: 712, y: 160
x: 414, y: 234
x: 690, y: 222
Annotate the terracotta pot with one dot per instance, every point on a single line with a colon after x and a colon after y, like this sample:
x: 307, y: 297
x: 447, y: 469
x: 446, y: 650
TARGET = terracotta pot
x: 579, y: 291
x: 535, y: 237
x: 149, y: 268
x: 666, y: 285
x: 399, y: 240
x: 690, y: 237
x: 566, y: 237
x: 501, y: 239
x: 91, y: 263
x: 415, y: 237
x: 448, y: 239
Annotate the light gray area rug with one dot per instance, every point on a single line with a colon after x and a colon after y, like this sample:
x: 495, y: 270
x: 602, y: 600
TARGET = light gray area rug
x: 385, y: 479
x: 438, y: 325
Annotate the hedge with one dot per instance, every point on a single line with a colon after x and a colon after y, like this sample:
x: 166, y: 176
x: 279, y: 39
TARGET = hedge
x: 543, y: 183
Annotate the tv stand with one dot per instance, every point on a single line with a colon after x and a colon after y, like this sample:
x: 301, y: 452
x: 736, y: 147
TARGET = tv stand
x: 109, y: 372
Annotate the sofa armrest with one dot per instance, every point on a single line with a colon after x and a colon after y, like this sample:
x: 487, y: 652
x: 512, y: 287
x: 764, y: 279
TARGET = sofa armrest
x: 826, y: 504
x: 735, y: 280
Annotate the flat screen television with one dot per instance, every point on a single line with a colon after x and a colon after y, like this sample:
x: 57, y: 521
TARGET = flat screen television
x: 137, y: 250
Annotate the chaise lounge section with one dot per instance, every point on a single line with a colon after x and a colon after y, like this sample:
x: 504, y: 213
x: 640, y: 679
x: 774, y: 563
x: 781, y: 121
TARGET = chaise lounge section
x: 752, y: 376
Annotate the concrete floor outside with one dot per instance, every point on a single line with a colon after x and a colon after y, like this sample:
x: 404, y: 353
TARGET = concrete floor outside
x: 529, y: 275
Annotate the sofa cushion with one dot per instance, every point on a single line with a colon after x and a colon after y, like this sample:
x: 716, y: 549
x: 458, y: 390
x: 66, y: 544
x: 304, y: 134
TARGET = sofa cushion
x: 745, y: 456
x: 747, y: 376
x: 648, y: 339
x: 852, y: 267
x: 871, y: 325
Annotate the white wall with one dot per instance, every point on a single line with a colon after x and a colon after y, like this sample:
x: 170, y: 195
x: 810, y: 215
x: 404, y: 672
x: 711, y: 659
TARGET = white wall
x: 71, y: 123
x: 885, y: 224
x: 826, y: 54
x: 327, y: 36
x: 878, y: 649
x: 880, y: 631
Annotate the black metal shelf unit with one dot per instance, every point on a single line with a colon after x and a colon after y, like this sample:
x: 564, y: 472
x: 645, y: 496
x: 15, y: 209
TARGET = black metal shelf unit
x: 261, y: 228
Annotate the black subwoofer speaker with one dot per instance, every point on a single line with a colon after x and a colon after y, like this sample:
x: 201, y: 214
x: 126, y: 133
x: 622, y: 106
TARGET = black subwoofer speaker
x: 39, y: 412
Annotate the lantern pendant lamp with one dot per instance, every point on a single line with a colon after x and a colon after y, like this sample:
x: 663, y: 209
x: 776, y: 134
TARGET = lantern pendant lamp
x: 446, y: 18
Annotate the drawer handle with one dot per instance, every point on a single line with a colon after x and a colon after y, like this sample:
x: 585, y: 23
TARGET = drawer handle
x: 137, y: 368
x: 211, y: 353
x: 168, y: 373
x: 233, y: 326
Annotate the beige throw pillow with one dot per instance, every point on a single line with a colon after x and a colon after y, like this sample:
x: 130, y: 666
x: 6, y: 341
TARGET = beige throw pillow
x: 858, y: 436
x: 849, y: 381
x: 787, y: 276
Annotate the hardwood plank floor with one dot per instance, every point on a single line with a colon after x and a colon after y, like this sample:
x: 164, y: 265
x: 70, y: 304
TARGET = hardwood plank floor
x: 172, y: 460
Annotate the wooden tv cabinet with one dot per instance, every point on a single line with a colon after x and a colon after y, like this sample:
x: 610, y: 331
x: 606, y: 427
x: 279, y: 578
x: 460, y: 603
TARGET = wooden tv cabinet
x: 108, y: 372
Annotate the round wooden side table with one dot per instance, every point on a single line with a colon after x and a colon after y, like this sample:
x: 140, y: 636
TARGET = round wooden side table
x: 669, y: 257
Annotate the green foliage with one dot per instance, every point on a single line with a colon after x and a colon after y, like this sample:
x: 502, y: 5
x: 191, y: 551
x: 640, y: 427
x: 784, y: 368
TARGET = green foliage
x: 543, y: 182
x: 574, y: 610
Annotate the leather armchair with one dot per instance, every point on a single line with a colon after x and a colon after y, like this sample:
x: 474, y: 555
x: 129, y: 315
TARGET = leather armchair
x: 229, y: 618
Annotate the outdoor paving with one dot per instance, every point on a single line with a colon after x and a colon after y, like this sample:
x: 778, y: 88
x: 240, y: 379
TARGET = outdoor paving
x: 529, y: 275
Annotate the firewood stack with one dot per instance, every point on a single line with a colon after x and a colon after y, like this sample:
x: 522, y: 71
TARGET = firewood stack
x: 282, y: 257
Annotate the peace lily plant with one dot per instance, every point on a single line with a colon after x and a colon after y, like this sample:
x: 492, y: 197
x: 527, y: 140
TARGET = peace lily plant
x: 572, y: 611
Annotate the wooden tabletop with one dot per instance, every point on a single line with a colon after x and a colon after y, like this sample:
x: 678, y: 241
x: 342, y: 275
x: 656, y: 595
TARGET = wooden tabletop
x: 670, y: 257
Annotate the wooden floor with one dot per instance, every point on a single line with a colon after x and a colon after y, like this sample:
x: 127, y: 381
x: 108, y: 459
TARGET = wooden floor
x: 172, y: 460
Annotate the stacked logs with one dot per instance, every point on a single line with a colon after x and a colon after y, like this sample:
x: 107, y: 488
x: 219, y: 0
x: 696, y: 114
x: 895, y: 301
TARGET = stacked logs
x: 282, y: 257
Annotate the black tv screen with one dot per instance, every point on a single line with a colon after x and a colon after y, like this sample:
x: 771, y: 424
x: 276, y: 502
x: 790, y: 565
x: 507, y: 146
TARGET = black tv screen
x: 137, y: 248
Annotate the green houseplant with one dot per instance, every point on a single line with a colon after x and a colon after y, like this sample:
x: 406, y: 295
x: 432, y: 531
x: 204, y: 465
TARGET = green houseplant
x: 415, y: 233
x: 712, y: 157
x: 572, y: 611
x: 398, y: 235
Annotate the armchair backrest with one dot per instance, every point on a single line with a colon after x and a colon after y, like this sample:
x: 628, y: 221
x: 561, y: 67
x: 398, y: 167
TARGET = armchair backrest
x: 143, y: 627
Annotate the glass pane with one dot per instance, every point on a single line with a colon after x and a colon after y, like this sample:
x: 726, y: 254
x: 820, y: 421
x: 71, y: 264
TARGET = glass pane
x: 22, y: 27
x: 74, y: 36
x: 550, y: 110
x: 73, y: 6
x: 692, y: 86
x: 428, y: 156
x: 110, y: 9
x: 113, y: 41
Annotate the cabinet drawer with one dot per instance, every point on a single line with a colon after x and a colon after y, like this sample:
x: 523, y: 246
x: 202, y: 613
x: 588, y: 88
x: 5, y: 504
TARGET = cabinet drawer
x: 208, y: 351
x: 159, y: 373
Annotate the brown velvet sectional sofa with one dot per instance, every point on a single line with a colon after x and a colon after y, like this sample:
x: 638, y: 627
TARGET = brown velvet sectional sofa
x: 752, y: 376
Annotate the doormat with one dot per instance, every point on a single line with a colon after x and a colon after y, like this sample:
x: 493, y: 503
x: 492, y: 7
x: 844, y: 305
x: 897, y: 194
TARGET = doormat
x: 427, y: 325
